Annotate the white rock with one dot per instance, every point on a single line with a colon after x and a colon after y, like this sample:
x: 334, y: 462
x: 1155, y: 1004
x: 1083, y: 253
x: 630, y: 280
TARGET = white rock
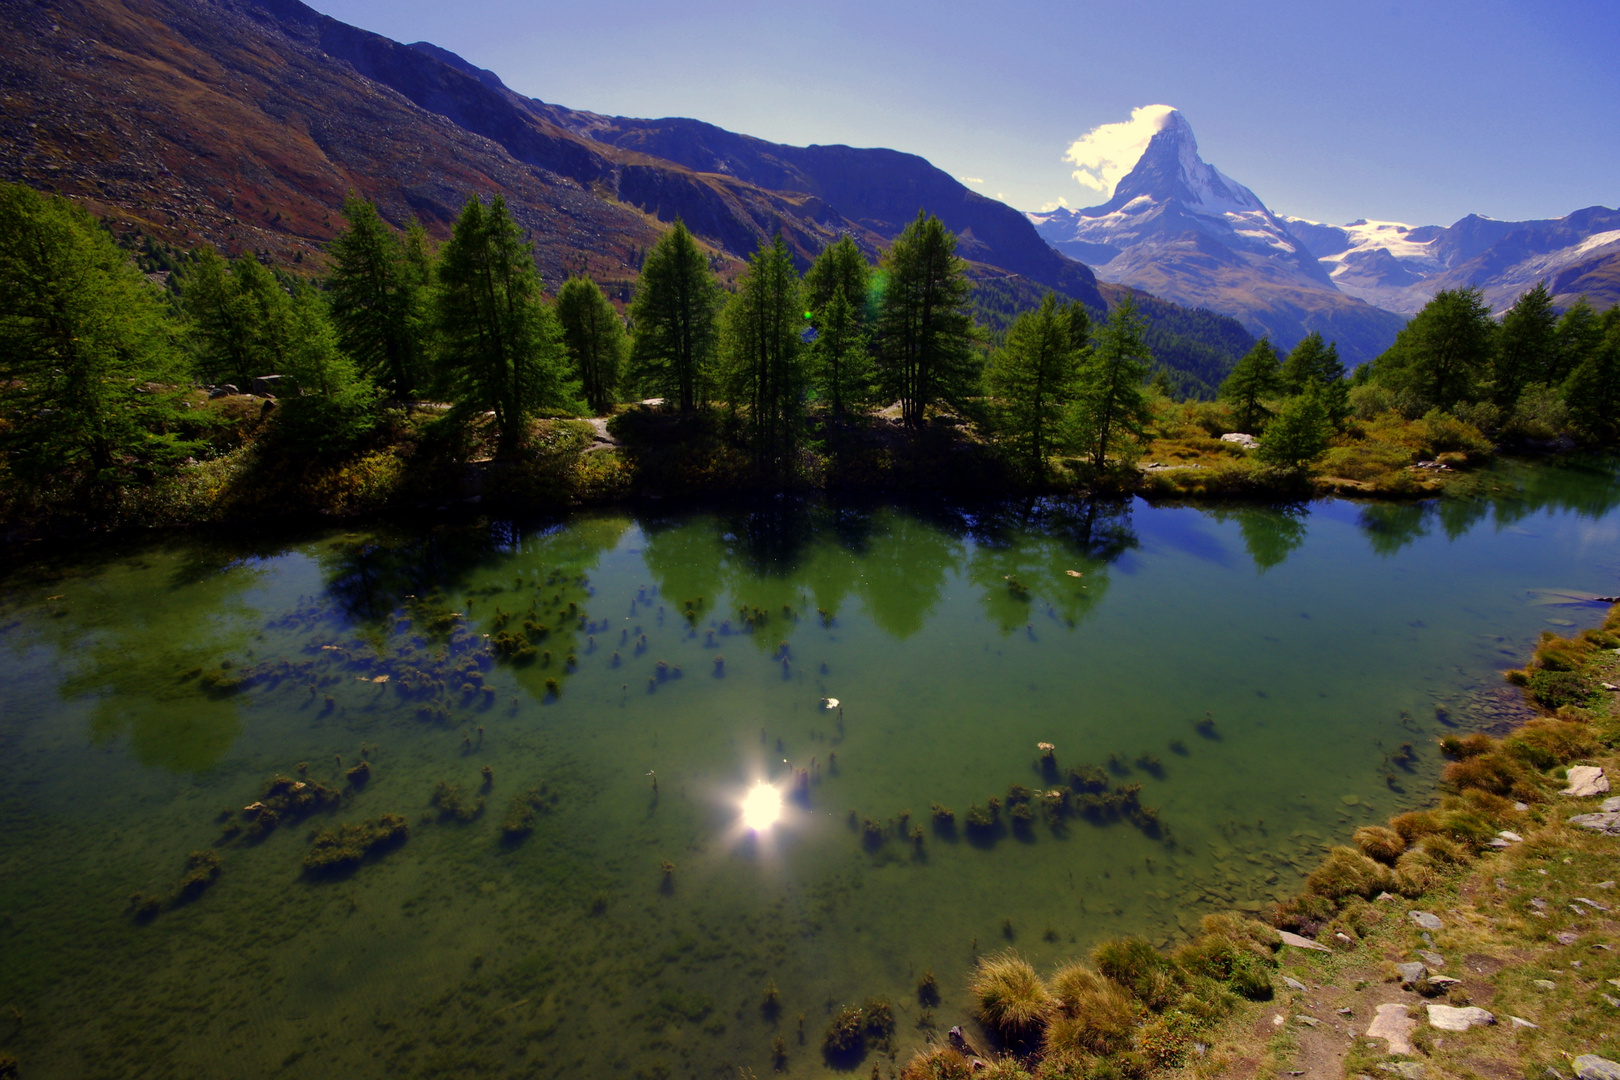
x: 1592, y: 1067
x: 1511, y: 837
x: 1394, y: 1026
x: 1425, y: 920
x: 1294, y: 984
x: 1585, y: 781
x: 1447, y: 1018
x: 1301, y: 942
x: 1519, y: 1022
x: 1610, y: 806
x: 1248, y: 442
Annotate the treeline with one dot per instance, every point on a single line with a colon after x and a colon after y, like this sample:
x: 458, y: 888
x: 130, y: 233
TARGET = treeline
x: 102, y: 366
x: 1535, y: 375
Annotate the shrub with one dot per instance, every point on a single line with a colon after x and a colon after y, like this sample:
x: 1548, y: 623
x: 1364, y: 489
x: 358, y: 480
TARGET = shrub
x: 1442, y: 432
x: 1137, y: 966
x: 1466, y: 746
x: 1555, y: 689
x: 1347, y: 872
x: 1414, y: 824
x: 941, y: 1063
x: 1094, y: 1016
x: 1012, y: 999
x: 1495, y: 772
x: 1379, y: 843
x: 1546, y: 742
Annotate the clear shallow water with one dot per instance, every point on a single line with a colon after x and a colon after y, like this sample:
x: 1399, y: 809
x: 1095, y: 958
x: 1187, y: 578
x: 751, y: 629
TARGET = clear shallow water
x: 1316, y: 638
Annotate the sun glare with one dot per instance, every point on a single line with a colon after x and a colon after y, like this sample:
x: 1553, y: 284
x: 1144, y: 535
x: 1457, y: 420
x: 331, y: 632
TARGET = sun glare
x: 762, y: 807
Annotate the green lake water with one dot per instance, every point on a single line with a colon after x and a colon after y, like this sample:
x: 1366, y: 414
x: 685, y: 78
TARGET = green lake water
x: 1255, y: 670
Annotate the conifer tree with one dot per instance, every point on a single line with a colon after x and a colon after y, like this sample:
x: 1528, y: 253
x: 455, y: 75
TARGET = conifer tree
x: 925, y: 332
x: 1253, y: 379
x: 1440, y: 357
x: 86, y: 348
x: 239, y: 318
x: 836, y: 291
x: 1035, y: 377
x: 1526, y: 346
x: 501, y: 342
x: 1112, y: 408
x: 1592, y: 391
x: 1313, y: 366
x: 596, y: 341
x: 378, y: 295
x: 1298, y: 434
x: 674, y: 317
x: 760, y: 348
x: 1578, y: 336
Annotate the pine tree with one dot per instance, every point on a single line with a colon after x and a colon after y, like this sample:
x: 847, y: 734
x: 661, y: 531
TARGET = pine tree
x: 596, y: 341
x: 85, y: 341
x: 1298, y: 434
x: 378, y: 298
x: 1112, y: 408
x: 501, y: 342
x: 674, y: 318
x: 1252, y: 380
x: 1593, y: 389
x: 760, y: 348
x: 925, y: 333
x: 1035, y: 376
x: 239, y: 318
x: 1310, y: 362
x: 836, y: 292
x: 1440, y: 357
x: 1526, y: 346
x: 1579, y: 335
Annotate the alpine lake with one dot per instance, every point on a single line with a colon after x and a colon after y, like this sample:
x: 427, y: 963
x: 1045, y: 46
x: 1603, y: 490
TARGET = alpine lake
x: 475, y: 791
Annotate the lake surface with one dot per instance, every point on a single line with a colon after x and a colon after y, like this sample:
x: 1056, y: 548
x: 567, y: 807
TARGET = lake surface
x: 1255, y: 670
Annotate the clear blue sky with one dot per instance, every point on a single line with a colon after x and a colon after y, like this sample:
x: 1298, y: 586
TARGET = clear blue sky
x: 1413, y: 110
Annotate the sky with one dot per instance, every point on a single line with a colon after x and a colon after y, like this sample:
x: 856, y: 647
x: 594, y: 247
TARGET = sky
x: 1419, y: 111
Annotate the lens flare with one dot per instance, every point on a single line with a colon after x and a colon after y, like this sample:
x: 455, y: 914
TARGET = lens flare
x: 761, y: 807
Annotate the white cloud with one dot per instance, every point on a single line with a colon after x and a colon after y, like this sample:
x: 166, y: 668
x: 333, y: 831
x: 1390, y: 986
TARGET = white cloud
x: 1047, y: 208
x: 1103, y: 155
x: 971, y: 179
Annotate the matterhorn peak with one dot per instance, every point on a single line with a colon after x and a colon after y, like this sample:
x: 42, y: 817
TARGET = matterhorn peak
x: 1170, y: 170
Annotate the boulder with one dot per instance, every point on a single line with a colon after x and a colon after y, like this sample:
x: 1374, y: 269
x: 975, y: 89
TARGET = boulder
x: 1301, y: 942
x: 1448, y: 1018
x: 1425, y: 920
x: 1411, y: 973
x: 1603, y: 823
x: 1248, y: 442
x: 1592, y: 1067
x: 1585, y: 781
x: 1610, y: 806
x: 1294, y: 984
x: 1394, y: 1027
x: 1432, y: 959
x: 1407, y: 1070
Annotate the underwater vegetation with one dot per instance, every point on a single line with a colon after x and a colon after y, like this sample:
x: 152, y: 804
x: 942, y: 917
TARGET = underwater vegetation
x: 520, y: 814
x: 337, y: 851
x: 202, y: 870
x: 359, y: 775
x: 285, y: 800
x: 452, y: 805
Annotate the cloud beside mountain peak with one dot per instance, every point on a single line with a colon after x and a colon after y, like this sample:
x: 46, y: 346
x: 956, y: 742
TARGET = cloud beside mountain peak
x: 1106, y: 153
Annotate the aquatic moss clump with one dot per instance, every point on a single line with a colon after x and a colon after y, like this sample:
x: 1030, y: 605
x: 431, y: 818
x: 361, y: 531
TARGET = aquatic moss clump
x: 202, y: 870
x: 359, y: 776
x: 520, y: 814
x: 943, y: 815
x: 1087, y: 778
x: 452, y: 805
x: 336, y: 851
x: 844, y: 1043
x: 286, y: 799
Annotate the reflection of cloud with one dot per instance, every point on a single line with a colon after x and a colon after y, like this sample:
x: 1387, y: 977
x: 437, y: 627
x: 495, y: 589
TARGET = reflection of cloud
x: 1103, y: 155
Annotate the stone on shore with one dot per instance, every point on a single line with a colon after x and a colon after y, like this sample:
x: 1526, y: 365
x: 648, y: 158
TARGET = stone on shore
x: 1301, y: 942
x: 1449, y: 1018
x: 1393, y: 1026
x: 1592, y: 1067
x: 1585, y: 781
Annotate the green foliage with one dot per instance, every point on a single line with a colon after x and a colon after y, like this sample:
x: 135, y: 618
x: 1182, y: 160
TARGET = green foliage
x: 1580, y: 333
x: 335, y: 406
x: 1298, y: 435
x: 240, y: 318
x: 1314, y: 366
x: 85, y: 342
x: 837, y: 291
x: 1593, y: 389
x: 1256, y: 377
x: 501, y: 343
x: 760, y: 348
x: 1112, y: 408
x: 1526, y: 347
x: 925, y: 333
x: 1199, y: 346
x: 1441, y: 356
x: 1035, y: 376
x: 596, y: 341
x: 674, y: 317
x: 379, y: 289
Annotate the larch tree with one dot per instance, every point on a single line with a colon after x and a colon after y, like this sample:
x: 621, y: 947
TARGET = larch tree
x: 836, y: 291
x: 1034, y: 378
x: 674, y: 318
x: 501, y: 342
x: 1112, y: 406
x: 1526, y: 346
x: 1441, y: 356
x: 1253, y: 379
x: 925, y: 330
x: 596, y: 341
x: 761, y: 355
x: 377, y: 299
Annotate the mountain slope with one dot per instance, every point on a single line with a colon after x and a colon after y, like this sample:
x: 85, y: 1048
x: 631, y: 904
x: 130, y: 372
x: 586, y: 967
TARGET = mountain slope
x: 1180, y: 229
